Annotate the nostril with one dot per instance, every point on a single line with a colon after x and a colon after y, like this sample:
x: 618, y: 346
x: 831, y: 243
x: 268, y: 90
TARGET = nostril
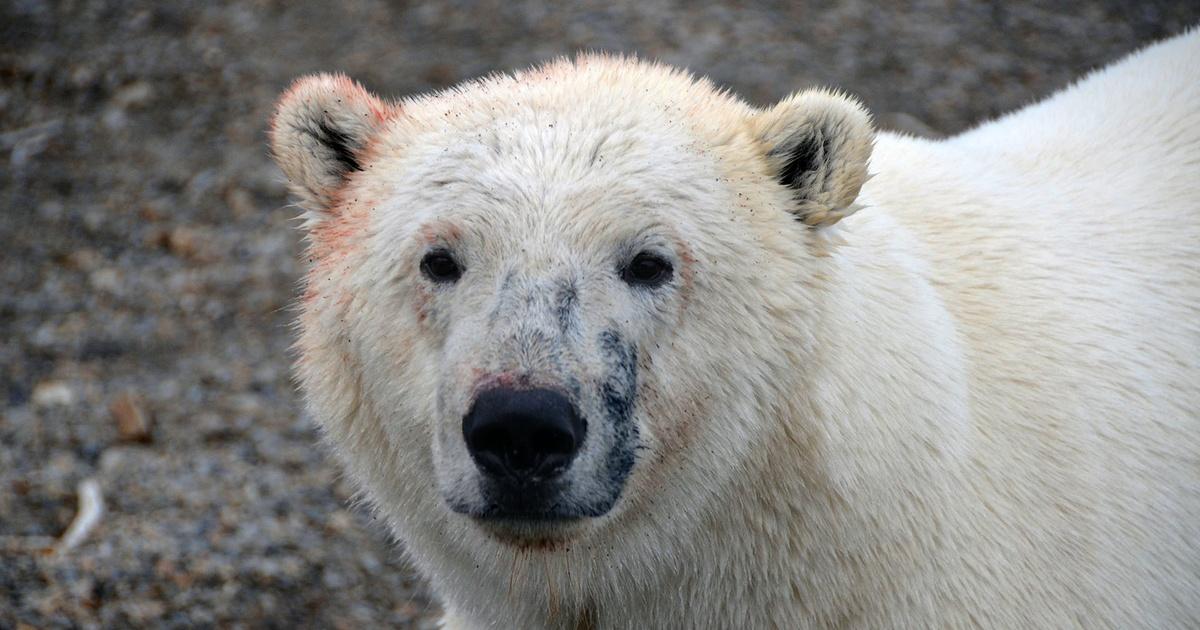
x: 490, y: 445
x: 555, y: 448
x: 525, y: 435
x: 552, y: 441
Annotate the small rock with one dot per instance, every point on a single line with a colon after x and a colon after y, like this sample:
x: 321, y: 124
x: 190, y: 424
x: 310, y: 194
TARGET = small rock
x: 134, y: 95
x: 85, y: 259
x: 53, y: 394
x: 240, y: 202
x: 83, y: 76
x: 143, y: 611
x: 114, y: 118
x: 339, y: 522
x: 111, y: 460
x: 95, y: 220
x: 21, y: 487
x: 151, y: 213
x: 51, y: 210
x: 134, y: 421
x: 184, y: 241
x: 28, y: 143
x: 189, y: 243
x: 106, y: 279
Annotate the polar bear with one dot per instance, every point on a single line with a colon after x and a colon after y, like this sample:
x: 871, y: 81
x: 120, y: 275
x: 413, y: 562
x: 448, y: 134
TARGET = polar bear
x: 610, y: 348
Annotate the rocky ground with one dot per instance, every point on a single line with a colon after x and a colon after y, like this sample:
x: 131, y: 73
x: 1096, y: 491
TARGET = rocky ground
x: 149, y: 258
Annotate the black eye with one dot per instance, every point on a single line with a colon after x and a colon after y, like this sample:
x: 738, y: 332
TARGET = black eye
x: 648, y: 270
x: 439, y: 266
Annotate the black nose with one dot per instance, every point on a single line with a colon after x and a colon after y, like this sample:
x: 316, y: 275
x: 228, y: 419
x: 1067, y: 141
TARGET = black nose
x: 523, y: 436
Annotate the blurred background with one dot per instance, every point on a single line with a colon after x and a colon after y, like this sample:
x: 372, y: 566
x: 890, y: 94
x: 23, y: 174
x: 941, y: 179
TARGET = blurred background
x: 149, y: 257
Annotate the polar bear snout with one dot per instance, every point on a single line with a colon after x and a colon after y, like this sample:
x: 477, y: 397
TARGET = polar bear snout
x: 522, y: 438
x: 531, y: 447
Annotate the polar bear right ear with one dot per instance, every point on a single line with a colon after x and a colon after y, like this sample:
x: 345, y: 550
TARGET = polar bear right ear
x: 818, y: 143
x: 321, y: 127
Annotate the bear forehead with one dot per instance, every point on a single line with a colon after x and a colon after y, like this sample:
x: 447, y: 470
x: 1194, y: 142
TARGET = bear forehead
x: 587, y: 134
x: 566, y: 184
x: 592, y: 90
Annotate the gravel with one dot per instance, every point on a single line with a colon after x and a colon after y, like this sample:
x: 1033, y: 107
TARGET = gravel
x: 150, y: 258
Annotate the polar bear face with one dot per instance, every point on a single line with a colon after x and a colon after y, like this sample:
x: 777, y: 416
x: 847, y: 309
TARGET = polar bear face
x: 538, y: 304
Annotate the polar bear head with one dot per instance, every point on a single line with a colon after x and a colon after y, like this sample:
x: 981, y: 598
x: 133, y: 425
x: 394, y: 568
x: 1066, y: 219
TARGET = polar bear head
x: 551, y: 309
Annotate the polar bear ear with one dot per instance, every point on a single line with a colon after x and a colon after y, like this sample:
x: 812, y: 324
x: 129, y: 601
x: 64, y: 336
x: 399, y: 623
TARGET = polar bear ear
x: 320, y: 128
x: 818, y: 144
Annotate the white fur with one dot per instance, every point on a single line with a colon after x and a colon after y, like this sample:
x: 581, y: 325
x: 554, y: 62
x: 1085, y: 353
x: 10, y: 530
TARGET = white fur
x: 974, y: 402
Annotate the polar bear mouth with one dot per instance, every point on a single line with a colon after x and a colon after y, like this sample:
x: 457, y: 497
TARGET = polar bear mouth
x: 545, y: 505
x: 534, y: 535
x: 532, y: 510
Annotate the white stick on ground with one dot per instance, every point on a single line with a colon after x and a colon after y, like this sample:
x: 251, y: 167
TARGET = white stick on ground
x: 91, y: 508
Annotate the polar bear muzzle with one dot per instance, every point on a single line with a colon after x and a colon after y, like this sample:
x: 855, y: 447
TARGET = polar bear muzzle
x: 550, y: 452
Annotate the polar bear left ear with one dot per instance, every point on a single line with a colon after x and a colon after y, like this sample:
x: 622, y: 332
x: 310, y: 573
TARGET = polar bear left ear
x: 321, y: 127
x: 818, y: 143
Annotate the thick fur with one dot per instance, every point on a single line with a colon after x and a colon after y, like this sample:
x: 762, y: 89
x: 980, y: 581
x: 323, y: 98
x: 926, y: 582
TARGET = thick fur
x: 974, y: 402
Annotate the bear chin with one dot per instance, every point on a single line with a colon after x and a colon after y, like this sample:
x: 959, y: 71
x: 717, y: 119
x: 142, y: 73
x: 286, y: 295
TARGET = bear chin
x: 533, y: 534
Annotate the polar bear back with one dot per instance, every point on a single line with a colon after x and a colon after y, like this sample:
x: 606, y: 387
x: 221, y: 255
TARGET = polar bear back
x: 1064, y: 241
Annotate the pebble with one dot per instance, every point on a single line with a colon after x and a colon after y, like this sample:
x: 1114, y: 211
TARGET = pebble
x: 53, y: 394
x: 134, y: 421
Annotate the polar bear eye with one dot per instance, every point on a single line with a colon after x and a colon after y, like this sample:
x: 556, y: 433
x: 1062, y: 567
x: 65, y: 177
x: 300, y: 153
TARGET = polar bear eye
x: 439, y: 266
x: 647, y: 269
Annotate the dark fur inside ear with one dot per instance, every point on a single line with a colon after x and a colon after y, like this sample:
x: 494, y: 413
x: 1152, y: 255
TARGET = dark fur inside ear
x: 340, y: 144
x: 322, y: 127
x: 818, y: 144
x: 802, y: 157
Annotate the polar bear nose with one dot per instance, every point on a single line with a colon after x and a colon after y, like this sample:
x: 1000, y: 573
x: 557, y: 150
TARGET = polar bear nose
x: 523, y: 436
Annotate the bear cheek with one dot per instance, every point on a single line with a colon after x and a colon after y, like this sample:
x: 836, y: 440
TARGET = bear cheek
x: 422, y: 304
x: 679, y: 434
x: 670, y: 415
